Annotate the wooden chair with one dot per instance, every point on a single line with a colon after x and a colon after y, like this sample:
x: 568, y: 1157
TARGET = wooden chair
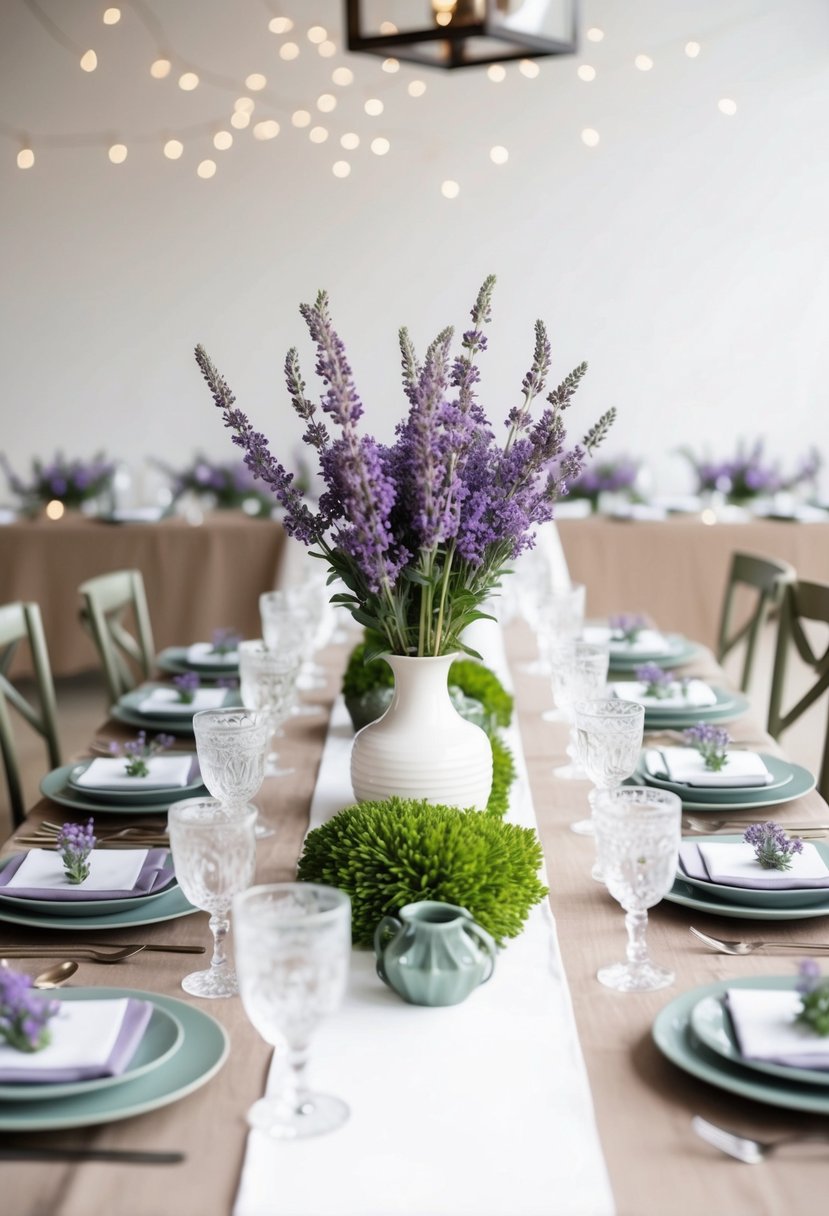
x: 801, y: 602
x: 22, y: 622
x: 767, y: 578
x: 106, y: 601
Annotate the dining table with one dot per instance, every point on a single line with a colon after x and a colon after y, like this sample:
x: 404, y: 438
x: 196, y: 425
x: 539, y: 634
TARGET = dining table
x: 641, y: 1102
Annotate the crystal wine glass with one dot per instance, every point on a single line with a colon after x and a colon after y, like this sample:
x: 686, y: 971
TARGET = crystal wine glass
x: 579, y: 674
x: 559, y: 620
x: 637, y: 834
x: 290, y: 619
x: 608, y: 743
x: 230, y: 744
x: 267, y: 681
x: 214, y: 854
x: 293, y: 951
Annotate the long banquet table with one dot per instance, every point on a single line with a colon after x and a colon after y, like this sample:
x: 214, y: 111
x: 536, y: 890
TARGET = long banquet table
x: 197, y: 577
x: 676, y: 569
x: 643, y: 1104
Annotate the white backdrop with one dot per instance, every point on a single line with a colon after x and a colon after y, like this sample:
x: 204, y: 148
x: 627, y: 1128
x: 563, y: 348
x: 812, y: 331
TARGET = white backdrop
x: 685, y: 256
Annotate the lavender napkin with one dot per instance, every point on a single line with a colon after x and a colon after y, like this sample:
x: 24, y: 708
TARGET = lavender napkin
x: 89, y: 1039
x: 735, y: 865
x: 155, y: 873
x: 765, y: 1026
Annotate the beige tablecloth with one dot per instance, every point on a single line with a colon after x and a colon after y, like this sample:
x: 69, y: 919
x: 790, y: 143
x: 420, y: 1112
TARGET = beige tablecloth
x: 643, y: 1103
x: 676, y: 570
x: 197, y: 578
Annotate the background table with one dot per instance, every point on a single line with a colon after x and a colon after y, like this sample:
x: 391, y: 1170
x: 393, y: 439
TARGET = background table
x: 676, y: 569
x: 198, y: 577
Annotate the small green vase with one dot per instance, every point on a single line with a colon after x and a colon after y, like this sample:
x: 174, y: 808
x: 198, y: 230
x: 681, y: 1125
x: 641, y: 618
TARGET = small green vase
x: 435, y: 954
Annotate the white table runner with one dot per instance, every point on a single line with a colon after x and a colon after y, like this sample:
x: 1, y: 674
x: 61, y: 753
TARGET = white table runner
x: 478, y: 1109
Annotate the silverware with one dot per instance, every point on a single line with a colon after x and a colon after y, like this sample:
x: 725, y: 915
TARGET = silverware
x: 134, y: 829
x: 744, y: 1148
x: 696, y: 823
x: 46, y: 840
x: 739, y: 947
x: 54, y: 976
x: 121, y: 1155
x: 86, y: 953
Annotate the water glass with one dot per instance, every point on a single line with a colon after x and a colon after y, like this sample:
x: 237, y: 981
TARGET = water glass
x: 214, y: 854
x: 293, y: 952
x: 579, y: 674
x: 608, y: 743
x: 231, y: 744
x: 291, y: 619
x: 637, y: 835
x: 268, y: 684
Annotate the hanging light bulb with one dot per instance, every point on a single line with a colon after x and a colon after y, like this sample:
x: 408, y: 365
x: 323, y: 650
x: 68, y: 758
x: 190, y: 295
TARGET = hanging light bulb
x: 25, y: 158
x: 160, y: 68
x: 117, y: 154
x: 89, y: 61
x: 173, y: 149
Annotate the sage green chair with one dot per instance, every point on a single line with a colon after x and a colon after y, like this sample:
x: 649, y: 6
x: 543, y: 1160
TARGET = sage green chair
x: 22, y: 623
x: 109, y: 600
x: 801, y: 602
x: 765, y: 577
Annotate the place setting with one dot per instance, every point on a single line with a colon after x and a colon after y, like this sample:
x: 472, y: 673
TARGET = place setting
x: 170, y: 707
x: 672, y: 703
x: 632, y: 641
x: 213, y: 660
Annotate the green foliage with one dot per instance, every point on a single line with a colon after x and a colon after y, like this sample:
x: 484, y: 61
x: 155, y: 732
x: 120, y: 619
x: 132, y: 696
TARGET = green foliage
x: 391, y: 853
x: 503, y: 775
x: 361, y: 676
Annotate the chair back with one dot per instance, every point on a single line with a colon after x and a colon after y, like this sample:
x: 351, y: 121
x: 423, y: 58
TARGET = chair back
x: 767, y: 578
x: 802, y: 601
x: 18, y: 623
x: 107, y: 600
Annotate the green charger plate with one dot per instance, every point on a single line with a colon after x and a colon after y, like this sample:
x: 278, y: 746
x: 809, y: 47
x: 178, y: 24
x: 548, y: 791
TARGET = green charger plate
x: 711, y: 1023
x: 125, y: 710
x: 675, y: 1038
x: 782, y: 774
x: 199, y: 1058
x: 800, y: 781
x: 169, y: 905
x: 163, y: 1036
x: 686, y: 896
x: 137, y: 797
x: 55, y: 785
x: 729, y: 705
x: 74, y: 908
x: 174, y: 659
x: 770, y: 901
x: 680, y: 651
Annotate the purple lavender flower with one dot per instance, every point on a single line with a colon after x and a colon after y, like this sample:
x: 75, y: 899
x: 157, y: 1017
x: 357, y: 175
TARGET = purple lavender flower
x: 72, y: 482
x: 225, y: 640
x: 605, y: 476
x: 657, y: 681
x: 187, y: 684
x: 772, y: 847
x: 138, y: 751
x: 228, y: 682
x: 814, y: 996
x: 24, y: 1013
x: 75, y: 841
x: 809, y: 972
x: 749, y: 473
x: 627, y: 625
x: 711, y: 742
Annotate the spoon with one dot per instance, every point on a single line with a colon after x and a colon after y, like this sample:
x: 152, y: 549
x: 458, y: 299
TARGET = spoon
x: 744, y: 1148
x: 725, y: 946
x: 54, y: 976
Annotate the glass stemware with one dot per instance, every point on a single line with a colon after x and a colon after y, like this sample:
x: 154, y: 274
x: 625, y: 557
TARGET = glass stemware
x: 293, y: 952
x: 638, y: 835
x: 230, y: 744
x: 608, y: 742
x: 559, y: 620
x: 579, y: 674
x: 267, y: 680
x: 291, y: 618
x: 214, y: 854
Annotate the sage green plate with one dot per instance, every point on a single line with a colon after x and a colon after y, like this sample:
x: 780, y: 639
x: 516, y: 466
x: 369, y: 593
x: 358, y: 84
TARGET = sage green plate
x: 790, y: 781
x: 751, y: 897
x: 126, y: 710
x: 55, y: 785
x: 137, y: 797
x: 73, y: 908
x: 200, y: 1056
x: 728, y: 706
x: 163, y: 1036
x: 686, y: 896
x: 675, y: 1038
x: 174, y: 659
x: 711, y: 1023
x: 169, y: 905
x: 681, y: 651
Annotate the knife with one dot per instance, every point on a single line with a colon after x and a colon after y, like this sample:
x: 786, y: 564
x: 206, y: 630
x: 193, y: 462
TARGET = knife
x: 54, y: 951
x: 121, y: 1155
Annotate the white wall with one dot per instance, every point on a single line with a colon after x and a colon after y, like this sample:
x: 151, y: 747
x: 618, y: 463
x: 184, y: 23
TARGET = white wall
x: 685, y: 257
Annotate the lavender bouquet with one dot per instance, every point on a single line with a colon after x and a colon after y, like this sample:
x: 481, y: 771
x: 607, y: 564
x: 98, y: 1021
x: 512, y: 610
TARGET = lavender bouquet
x: 608, y: 476
x: 749, y: 473
x: 229, y: 484
x: 71, y: 482
x: 419, y: 531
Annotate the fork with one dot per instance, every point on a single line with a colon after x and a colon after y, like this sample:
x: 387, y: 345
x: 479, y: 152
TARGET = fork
x: 744, y: 1148
x: 90, y: 954
x: 696, y: 823
x: 739, y: 947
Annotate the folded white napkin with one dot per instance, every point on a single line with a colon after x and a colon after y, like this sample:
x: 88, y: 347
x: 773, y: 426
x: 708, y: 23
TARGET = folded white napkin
x: 686, y: 766
x: 84, y: 1035
x: 202, y: 653
x: 109, y: 870
x: 765, y: 1026
x: 698, y: 694
x: 737, y: 865
x: 166, y: 772
x: 648, y: 641
x: 164, y: 702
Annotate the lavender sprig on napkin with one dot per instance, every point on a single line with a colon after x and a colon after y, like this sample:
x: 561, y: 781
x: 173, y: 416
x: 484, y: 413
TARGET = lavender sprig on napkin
x: 772, y: 847
x: 24, y: 1017
x: 75, y: 841
x: 711, y: 742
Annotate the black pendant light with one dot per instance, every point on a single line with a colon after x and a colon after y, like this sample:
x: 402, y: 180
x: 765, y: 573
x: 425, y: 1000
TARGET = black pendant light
x: 462, y: 33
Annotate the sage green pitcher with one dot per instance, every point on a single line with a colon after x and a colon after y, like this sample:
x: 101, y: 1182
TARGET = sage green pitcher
x: 435, y: 954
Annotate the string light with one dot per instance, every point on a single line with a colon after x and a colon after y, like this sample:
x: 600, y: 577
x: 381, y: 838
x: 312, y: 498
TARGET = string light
x: 269, y: 129
x: 246, y: 104
x: 374, y: 107
x: 255, y: 81
x: 727, y: 105
x: 380, y: 146
x: 327, y: 48
x: 160, y: 68
x: 498, y: 155
x: 300, y: 118
x: 643, y: 62
x: 111, y: 16
x: 594, y: 34
x: 54, y: 509
x: 350, y: 141
x: 496, y: 73
x: 25, y: 158
x: 590, y: 137
x: 89, y: 61
x: 223, y: 140
x: 206, y: 168
x: 692, y: 49
x: 288, y: 50
x: 280, y: 25
x: 416, y: 88
x: 391, y: 66
x: 173, y: 149
x: 529, y: 68
x: 586, y: 72
x: 317, y: 34
x: 240, y: 119
x: 388, y: 27
x: 450, y: 189
x: 341, y: 168
x: 326, y: 102
x: 117, y: 154
x: 188, y: 81
x: 318, y: 135
x: 342, y: 76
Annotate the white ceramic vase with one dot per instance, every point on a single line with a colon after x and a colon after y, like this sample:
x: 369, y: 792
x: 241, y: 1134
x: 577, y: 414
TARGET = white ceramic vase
x: 422, y: 747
